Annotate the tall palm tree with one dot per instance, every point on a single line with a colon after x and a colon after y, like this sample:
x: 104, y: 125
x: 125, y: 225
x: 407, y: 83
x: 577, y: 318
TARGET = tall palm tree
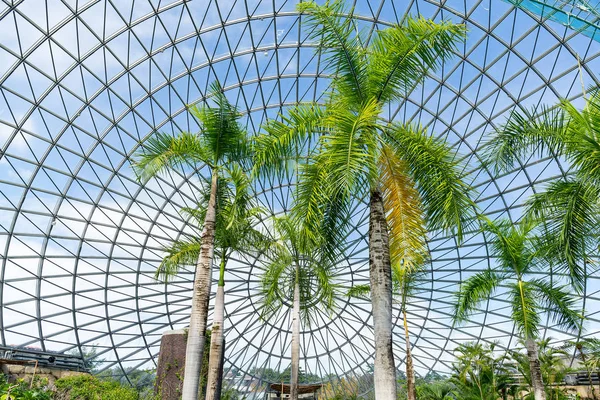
x: 235, y: 231
x: 404, y: 282
x: 569, y: 206
x: 299, y: 271
x: 412, y: 179
x: 516, y: 249
x: 220, y: 142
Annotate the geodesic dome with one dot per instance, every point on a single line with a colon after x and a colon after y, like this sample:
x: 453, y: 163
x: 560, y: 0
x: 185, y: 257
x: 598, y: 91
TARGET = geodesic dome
x: 84, y: 83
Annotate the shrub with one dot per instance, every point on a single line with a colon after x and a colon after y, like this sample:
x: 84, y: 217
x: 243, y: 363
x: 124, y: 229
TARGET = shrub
x: 87, y: 387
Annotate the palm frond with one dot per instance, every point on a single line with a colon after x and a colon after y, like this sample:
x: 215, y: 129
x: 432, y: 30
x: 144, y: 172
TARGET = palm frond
x: 510, y: 244
x: 523, y: 134
x: 401, y: 56
x: 360, y: 291
x: 271, y: 285
x: 350, y: 148
x: 437, y: 174
x: 163, y: 151
x: 330, y: 24
x: 404, y: 213
x: 525, y: 308
x: 180, y: 253
x: 559, y: 304
x: 473, y: 291
x: 569, y: 212
x: 221, y: 132
x: 283, y: 141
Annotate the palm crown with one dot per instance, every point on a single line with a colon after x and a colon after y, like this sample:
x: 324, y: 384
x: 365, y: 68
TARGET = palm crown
x: 569, y: 207
x: 516, y: 250
x: 356, y: 151
x: 295, y: 258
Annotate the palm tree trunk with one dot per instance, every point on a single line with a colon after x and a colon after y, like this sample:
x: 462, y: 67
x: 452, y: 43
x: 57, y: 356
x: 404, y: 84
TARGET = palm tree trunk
x: 295, y: 339
x: 381, y: 299
x: 216, y: 337
x: 194, y: 350
x: 535, y: 370
x: 410, y: 372
x: 589, y: 373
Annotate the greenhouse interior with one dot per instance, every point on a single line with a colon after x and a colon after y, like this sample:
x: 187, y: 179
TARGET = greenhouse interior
x: 342, y: 199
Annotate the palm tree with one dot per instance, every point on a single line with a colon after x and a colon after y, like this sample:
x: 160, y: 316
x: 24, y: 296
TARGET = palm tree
x: 516, y: 249
x: 412, y: 179
x: 478, y: 372
x: 235, y: 231
x: 569, y: 206
x: 584, y: 348
x: 299, y: 271
x: 588, y: 352
x: 220, y: 142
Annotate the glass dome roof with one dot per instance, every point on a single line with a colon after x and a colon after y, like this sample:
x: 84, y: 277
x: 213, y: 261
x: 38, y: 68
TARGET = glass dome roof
x: 84, y: 83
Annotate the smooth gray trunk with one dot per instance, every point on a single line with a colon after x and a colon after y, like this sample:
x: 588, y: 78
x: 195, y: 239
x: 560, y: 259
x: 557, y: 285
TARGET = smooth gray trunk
x: 536, y: 372
x: 295, y: 341
x: 410, y: 372
x: 381, y: 299
x: 200, y: 296
x: 216, y: 345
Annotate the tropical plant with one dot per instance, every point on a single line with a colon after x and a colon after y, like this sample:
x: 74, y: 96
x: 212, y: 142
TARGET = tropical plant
x: 235, y: 231
x: 220, y: 143
x: 479, y: 373
x: 441, y: 390
x: 570, y: 206
x: 587, y: 350
x: 298, y: 271
x: 516, y: 249
x: 412, y: 179
x: 553, y: 367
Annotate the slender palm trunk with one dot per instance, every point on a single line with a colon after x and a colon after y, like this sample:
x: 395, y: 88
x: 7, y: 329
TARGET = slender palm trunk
x: 381, y: 299
x: 589, y: 373
x: 535, y: 370
x: 201, y: 293
x: 410, y: 372
x: 295, y: 339
x: 216, y: 337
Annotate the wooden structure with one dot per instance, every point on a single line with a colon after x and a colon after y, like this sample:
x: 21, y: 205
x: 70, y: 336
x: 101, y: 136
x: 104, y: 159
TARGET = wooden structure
x: 278, y: 391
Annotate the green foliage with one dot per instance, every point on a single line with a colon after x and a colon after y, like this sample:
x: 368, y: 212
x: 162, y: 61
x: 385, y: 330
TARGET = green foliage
x: 23, y: 390
x: 569, y: 207
x: 517, y: 251
x: 87, y: 387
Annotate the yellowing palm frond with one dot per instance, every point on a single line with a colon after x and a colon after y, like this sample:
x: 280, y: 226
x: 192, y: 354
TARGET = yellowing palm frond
x: 404, y: 215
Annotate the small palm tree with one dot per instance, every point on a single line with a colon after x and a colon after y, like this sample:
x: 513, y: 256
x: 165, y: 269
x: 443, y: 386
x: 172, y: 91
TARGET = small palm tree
x: 235, y: 231
x: 583, y: 348
x: 569, y: 206
x: 516, y: 250
x: 297, y: 270
x: 412, y: 179
x: 588, y: 352
x: 442, y: 390
x: 220, y: 142
x: 478, y: 372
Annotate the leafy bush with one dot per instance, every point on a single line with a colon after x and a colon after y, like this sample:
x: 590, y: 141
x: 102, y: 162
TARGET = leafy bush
x: 87, y: 387
x: 23, y: 390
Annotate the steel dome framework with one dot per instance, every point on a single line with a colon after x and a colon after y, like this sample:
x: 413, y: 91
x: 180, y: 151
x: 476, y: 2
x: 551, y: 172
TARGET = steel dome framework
x: 84, y: 83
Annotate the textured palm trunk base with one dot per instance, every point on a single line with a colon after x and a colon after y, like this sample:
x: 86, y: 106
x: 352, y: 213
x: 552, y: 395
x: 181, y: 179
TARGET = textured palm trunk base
x: 216, y: 346
x: 381, y: 299
x: 201, y: 295
x: 536, y: 372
